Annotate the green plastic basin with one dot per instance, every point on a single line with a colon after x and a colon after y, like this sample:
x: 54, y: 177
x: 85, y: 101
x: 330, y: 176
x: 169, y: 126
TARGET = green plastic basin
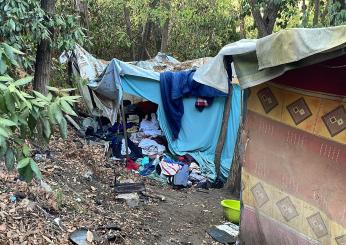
x: 231, y: 210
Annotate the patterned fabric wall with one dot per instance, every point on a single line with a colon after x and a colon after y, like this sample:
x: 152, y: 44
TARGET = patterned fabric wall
x: 294, y: 171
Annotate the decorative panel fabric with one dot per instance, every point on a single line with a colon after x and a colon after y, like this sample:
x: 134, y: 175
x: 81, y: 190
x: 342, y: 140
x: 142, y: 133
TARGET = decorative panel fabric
x: 294, y: 170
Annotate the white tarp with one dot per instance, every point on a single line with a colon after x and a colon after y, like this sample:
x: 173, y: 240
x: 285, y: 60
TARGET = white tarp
x: 214, y: 73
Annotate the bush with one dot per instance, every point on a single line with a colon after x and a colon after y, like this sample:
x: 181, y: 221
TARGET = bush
x: 27, y: 115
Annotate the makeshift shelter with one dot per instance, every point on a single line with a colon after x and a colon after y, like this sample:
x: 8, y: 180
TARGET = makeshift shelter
x: 199, y: 131
x: 294, y: 137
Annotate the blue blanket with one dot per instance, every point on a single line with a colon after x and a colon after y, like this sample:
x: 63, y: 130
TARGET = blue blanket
x: 176, y: 85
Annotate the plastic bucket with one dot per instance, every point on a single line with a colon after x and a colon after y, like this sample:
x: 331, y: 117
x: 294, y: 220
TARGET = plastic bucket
x: 231, y: 210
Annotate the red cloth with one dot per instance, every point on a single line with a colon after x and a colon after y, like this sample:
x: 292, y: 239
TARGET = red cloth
x: 201, y: 102
x: 131, y: 165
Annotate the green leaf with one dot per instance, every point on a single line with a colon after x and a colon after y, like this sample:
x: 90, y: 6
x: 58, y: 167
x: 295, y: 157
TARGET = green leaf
x: 18, y: 141
x: 3, y: 146
x: 16, y: 51
x: 46, y: 128
x: 3, y: 107
x: 5, y: 132
x: 23, y: 81
x: 9, y: 52
x: 52, y: 109
x: 52, y: 89
x: 49, y: 97
x: 32, y: 122
x: 3, y: 66
x: 41, y: 96
x: 9, y: 159
x: 3, y: 87
x: 26, y: 172
x: 39, y: 103
x: 12, y: 24
x: 71, y: 98
x: 21, y: 96
x: 26, y: 150
x: 59, y: 116
x: 27, y: 96
x: 63, y: 128
x: 67, y: 89
x: 35, y: 169
x: 6, y: 78
x: 23, y: 163
x: 9, y: 101
x: 67, y: 108
x: 6, y: 122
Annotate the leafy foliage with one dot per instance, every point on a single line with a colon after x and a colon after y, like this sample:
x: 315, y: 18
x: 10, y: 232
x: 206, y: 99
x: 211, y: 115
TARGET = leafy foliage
x: 26, y: 114
x: 197, y: 28
x: 23, y: 24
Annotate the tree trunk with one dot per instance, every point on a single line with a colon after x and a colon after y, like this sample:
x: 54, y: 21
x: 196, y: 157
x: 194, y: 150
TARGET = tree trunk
x: 325, y: 12
x: 165, y: 28
x: 316, y: 13
x: 147, y: 29
x: 305, y: 19
x: 142, y: 52
x: 342, y: 4
x: 165, y: 37
x: 44, y: 54
x: 234, y: 177
x: 82, y: 8
x: 264, y: 24
x: 157, y: 36
x: 241, y: 24
x: 129, y: 30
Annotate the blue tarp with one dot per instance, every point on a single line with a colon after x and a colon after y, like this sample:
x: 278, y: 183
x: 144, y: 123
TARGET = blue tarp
x: 199, y: 130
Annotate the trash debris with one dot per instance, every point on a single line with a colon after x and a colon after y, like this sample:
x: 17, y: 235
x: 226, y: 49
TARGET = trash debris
x: 131, y: 199
x: 88, y: 175
x: 150, y: 193
x: 3, y: 227
x: 225, y: 234
x: 45, y: 186
x: 90, y: 236
x: 57, y: 221
x: 81, y: 236
x: 39, y: 157
x: 110, y: 227
x: 33, y: 213
x: 129, y: 187
x: 13, y: 198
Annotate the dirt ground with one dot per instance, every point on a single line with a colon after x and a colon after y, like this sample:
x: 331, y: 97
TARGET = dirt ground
x: 81, y: 195
x: 185, y: 216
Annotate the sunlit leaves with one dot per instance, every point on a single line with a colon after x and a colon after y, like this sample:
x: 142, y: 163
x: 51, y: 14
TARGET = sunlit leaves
x: 27, y: 115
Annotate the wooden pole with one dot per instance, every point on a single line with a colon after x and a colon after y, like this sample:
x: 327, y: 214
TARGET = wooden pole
x: 223, y: 132
x: 124, y: 127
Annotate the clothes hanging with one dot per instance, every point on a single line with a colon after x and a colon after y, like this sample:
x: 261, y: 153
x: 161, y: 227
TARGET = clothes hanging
x: 176, y: 85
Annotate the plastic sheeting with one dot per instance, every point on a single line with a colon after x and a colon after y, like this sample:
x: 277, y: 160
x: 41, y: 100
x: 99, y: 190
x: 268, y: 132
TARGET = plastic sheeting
x: 214, y: 73
x: 291, y: 45
x: 259, y: 61
x: 200, y: 130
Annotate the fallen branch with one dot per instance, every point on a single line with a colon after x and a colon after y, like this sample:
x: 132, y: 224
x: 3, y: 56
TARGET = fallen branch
x: 50, y: 217
x: 73, y: 122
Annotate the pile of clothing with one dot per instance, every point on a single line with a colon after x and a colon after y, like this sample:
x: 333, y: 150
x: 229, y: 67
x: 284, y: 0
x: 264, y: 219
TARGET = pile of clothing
x: 149, y: 138
x: 180, y: 173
